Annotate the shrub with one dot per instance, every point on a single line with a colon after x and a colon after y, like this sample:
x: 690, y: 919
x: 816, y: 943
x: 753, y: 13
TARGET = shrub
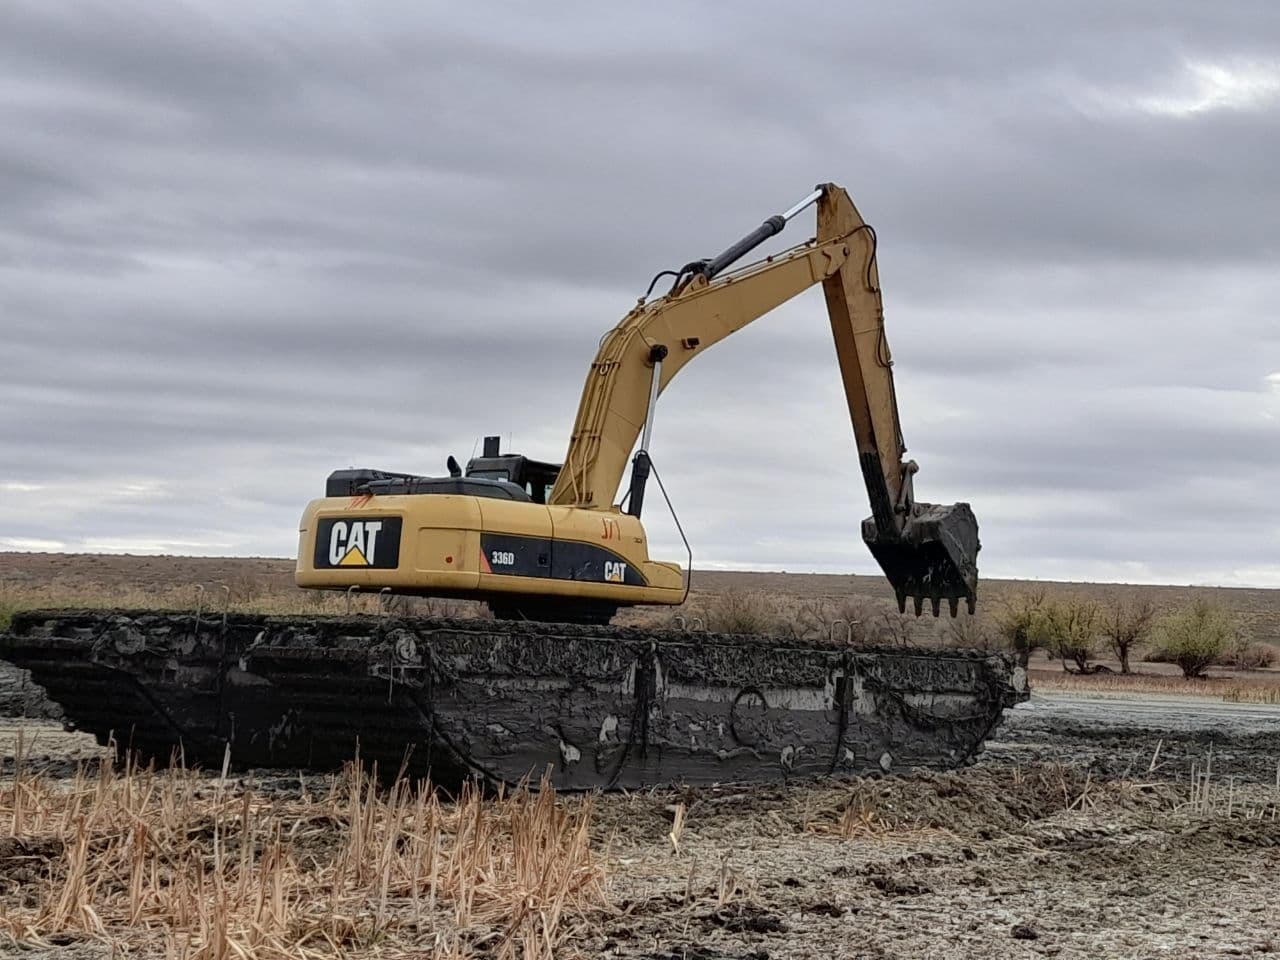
x: 970, y: 632
x: 1195, y: 637
x: 1070, y: 630
x: 1020, y: 624
x: 1249, y: 656
x: 1124, y: 625
x: 740, y: 611
x: 855, y: 620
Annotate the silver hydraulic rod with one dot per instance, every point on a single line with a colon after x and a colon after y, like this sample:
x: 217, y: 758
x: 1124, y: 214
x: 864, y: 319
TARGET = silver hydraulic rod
x: 811, y: 198
x: 640, y: 465
x: 653, y: 406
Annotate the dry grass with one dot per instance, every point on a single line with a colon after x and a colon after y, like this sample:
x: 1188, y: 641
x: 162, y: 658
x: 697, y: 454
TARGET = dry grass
x: 192, y: 867
x: 1252, y: 693
x: 1259, y: 688
x: 244, y: 597
x: 1211, y: 794
x: 266, y: 585
x: 824, y: 619
x: 803, y: 606
x: 1256, y: 609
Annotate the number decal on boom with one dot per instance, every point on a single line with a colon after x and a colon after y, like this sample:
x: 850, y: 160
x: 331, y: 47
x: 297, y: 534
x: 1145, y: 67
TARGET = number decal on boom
x: 502, y: 558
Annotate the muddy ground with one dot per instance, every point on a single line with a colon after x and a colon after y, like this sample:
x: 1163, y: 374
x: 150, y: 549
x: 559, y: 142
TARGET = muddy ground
x: 1072, y: 836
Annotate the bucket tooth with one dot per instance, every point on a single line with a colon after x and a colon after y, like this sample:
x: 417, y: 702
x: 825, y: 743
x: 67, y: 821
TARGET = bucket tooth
x: 934, y: 557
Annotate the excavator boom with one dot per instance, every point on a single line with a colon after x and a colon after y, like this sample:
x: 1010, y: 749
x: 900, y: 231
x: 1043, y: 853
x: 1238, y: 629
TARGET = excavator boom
x: 927, y: 551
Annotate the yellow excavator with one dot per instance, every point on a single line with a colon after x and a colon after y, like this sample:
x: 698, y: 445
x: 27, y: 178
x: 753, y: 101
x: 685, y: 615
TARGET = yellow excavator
x: 543, y: 541
x: 548, y: 685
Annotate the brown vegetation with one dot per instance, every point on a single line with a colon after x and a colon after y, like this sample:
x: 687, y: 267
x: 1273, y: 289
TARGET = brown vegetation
x: 1125, y: 623
x: 1017, y: 616
x: 1070, y: 630
x: 1250, y: 656
x: 188, y: 866
x: 1020, y: 624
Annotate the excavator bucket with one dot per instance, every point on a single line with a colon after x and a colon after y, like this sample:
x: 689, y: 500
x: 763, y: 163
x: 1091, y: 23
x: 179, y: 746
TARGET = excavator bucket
x: 935, y: 558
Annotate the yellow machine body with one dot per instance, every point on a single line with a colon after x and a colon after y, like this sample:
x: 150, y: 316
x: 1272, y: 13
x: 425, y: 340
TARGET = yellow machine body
x: 480, y: 548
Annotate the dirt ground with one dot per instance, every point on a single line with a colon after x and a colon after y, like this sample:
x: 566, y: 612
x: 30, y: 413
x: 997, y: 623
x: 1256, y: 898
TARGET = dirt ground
x: 1118, y: 826
x: 1077, y: 834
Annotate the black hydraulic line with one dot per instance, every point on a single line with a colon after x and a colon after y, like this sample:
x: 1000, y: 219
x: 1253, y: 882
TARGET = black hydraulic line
x: 688, y: 581
x: 658, y: 276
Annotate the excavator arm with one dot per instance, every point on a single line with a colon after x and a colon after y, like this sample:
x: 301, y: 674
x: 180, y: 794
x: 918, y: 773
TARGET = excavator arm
x: 927, y: 551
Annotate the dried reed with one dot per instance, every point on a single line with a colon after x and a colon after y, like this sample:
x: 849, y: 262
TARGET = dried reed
x: 206, y: 869
x: 1263, y: 688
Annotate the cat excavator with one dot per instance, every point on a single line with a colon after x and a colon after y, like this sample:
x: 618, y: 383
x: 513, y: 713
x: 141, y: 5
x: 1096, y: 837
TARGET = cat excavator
x: 541, y: 541
x: 548, y: 686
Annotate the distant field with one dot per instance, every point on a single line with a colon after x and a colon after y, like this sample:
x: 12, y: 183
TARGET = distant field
x: 267, y: 583
x: 1104, y: 794
x: 1258, y: 609
x: 256, y: 583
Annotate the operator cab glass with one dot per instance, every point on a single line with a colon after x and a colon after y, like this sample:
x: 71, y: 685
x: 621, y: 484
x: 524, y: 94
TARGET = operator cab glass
x: 534, y: 477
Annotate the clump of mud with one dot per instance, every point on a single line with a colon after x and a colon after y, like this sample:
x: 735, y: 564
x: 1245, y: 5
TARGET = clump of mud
x: 20, y: 696
x: 987, y: 803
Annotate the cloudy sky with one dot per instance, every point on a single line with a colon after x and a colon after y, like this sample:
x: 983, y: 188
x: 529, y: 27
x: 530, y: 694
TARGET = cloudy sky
x: 242, y: 245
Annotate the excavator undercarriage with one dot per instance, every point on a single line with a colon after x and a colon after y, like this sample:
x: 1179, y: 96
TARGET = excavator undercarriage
x: 596, y: 707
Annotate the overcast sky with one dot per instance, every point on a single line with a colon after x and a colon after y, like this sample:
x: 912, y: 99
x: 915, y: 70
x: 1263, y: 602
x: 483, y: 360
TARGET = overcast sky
x: 242, y: 245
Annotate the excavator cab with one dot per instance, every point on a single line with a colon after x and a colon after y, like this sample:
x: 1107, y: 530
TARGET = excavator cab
x: 535, y: 476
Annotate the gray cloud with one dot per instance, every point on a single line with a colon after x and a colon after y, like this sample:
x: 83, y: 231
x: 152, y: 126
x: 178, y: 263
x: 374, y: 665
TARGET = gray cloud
x: 241, y: 248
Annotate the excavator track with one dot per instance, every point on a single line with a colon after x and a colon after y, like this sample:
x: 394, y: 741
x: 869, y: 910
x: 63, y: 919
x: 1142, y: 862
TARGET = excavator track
x: 596, y: 707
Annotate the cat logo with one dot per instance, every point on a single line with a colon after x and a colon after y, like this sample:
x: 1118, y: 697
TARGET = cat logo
x: 367, y: 542
x: 615, y: 571
x: 354, y: 544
